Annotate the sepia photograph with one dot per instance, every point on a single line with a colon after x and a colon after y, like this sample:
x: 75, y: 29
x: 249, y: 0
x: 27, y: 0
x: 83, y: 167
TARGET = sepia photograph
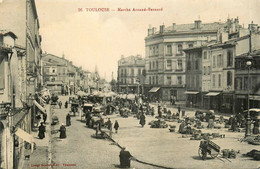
x: 137, y: 84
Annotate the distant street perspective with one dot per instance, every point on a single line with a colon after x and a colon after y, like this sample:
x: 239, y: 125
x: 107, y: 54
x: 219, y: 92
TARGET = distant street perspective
x: 129, y: 84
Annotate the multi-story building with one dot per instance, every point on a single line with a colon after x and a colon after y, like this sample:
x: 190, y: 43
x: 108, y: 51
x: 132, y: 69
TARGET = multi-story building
x: 24, y: 23
x: 194, y: 76
x: 224, y: 75
x: 247, y: 77
x: 165, y: 59
x: 130, y: 74
x: 7, y: 43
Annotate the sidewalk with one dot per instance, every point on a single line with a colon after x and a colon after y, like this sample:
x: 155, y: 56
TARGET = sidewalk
x: 39, y: 157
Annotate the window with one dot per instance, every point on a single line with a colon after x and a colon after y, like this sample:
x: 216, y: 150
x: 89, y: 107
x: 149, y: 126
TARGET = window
x: 153, y: 80
x: 132, y: 72
x: 2, y: 73
x: 169, y: 80
x: 229, y: 58
x: 157, y: 50
x: 219, y: 60
x: 139, y: 71
x: 150, y: 81
x: 169, y: 50
x: 153, y: 50
x: 204, y: 70
x: 254, y: 83
x: 179, y: 80
x: 156, y: 79
x: 208, y: 70
x: 190, y: 45
x: 53, y: 70
x: 219, y: 80
x: 245, y: 83
x: 197, y: 64
x: 213, y: 80
x: 179, y: 49
x: 132, y: 81
x: 179, y: 65
x: 238, y: 83
x: 188, y: 65
x: 168, y: 64
x: 214, y: 61
x: 205, y: 55
x: 156, y: 64
x: 153, y: 64
x: 53, y: 79
x: 229, y: 78
x: 150, y: 66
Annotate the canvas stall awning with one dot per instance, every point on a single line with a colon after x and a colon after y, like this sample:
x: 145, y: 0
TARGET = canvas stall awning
x: 25, y: 136
x: 212, y: 94
x: 191, y: 92
x: 154, y: 90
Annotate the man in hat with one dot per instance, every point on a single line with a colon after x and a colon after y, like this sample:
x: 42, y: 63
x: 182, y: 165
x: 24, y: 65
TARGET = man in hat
x: 125, y: 158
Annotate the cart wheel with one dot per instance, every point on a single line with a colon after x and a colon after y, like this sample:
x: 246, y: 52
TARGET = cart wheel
x: 201, y: 155
x: 200, y: 152
x: 214, y: 154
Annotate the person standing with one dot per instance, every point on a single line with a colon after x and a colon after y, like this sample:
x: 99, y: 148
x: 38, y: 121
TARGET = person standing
x: 116, y: 126
x: 44, y: 117
x: 142, y: 120
x: 66, y: 104
x: 125, y: 158
x: 256, y: 127
x: 60, y: 104
x: 41, y: 131
x: 62, y: 131
x: 68, y: 122
x: 179, y: 109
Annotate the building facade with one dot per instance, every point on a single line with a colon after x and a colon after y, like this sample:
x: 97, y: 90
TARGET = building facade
x: 130, y: 74
x: 224, y: 73
x: 25, y: 71
x: 165, y: 59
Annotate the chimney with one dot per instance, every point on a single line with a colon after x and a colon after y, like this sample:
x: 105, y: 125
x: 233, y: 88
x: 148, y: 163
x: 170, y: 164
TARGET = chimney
x: 197, y: 24
x: 153, y: 30
x: 149, y: 30
x: 173, y: 26
x: 161, y: 28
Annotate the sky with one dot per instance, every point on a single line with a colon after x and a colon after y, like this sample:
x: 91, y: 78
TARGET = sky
x: 89, y: 38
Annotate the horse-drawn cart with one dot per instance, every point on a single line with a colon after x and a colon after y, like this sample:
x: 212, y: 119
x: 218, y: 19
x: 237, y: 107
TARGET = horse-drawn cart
x: 208, y: 147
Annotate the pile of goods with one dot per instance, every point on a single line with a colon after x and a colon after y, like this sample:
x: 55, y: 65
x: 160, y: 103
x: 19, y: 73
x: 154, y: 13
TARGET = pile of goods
x: 206, y: 136
x: 255, y: 154
x: 158, y: 124
x: 226, y: 153
x: 255, y: 140
x: 172, y: 128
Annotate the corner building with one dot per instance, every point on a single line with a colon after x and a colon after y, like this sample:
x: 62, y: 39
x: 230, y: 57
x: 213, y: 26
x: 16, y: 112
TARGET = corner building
x: 165, y: 60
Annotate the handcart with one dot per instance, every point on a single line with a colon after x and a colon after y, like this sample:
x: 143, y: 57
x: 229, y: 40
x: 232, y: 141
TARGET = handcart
x: 208, y: 147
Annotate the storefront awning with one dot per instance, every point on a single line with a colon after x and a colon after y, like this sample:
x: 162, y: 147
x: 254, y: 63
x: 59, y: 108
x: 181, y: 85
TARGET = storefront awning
x: 25, y: 136
x: 154, y: 89
x: 212, y: 94
x: 254, y: 97
x: 39, y: 106
x: 190, y: 92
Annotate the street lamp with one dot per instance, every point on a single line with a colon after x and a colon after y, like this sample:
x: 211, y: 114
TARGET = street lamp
x: 248, y: 120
